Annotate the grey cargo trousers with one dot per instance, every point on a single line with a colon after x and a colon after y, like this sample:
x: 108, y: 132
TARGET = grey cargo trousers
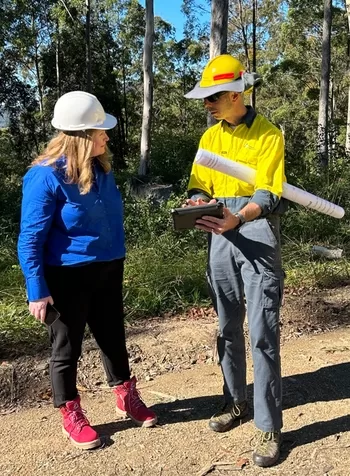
x: 247, y: 263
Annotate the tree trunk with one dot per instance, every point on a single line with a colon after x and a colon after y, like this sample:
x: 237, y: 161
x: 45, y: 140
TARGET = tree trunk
x: 255, y: 10
x: 38, y: 79
x: 58, y: 53
x: 148, y: 89
x: 347, y: 141
x: 125, y: 101
x: 244, y: 34
x: 331, y: 129
x: 218, y: 30
x: 88, y: 46
x: 322, y: 139
x: 218, y: 34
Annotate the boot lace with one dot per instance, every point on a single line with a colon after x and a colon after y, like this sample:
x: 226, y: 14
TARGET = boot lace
x: 236, y: 410
x: 265, y: 437
x: 263, y: 440
x: 78, y: 418
x: 135, y: 399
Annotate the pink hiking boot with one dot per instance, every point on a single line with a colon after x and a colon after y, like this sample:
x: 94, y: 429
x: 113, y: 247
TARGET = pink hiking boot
x: 129, y: 403
x: 77, y: 427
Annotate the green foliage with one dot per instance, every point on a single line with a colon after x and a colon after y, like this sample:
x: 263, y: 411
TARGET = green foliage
x: 165, y: 271
x: 172, y: 156
x: 166, y: 275
x: 142, y: 220
x: 305, y: 225
x: 304, y: 270
x: 43, y: 54
x: 10, y: 185
x: 20, y: 333
x: 145, y: 220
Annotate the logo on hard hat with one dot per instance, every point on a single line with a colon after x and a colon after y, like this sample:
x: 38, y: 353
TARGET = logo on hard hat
x: 99, y: 117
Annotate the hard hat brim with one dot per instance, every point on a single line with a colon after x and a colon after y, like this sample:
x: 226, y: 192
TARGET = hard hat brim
x: 201, y: 93
x: 109, y: 123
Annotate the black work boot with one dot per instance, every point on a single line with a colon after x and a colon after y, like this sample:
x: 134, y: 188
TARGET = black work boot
x: 267, y: 449
x: 227, y: 416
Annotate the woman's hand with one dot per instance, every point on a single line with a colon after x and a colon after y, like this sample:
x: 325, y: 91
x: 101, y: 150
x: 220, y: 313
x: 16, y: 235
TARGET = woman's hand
x: 38, y: 308
x: 218, y: 225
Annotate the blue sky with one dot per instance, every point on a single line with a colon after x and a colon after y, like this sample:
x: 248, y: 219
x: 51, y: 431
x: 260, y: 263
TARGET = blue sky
x: 170, y: 11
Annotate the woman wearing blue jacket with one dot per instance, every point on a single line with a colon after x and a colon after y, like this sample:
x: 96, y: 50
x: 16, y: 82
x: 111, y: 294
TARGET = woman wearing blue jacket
x: 71, y: 250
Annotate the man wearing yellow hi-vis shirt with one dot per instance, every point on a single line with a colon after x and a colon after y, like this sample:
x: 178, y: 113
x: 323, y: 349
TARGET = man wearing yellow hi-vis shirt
x: 244, y: 258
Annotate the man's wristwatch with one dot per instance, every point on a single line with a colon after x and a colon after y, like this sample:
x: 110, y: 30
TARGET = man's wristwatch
x: 240, y: 218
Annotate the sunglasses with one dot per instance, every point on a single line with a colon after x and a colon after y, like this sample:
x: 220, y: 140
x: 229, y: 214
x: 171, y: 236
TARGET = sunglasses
x: 216, y: 96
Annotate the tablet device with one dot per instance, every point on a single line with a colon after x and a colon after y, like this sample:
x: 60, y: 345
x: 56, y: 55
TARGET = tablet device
x: 185, y: 218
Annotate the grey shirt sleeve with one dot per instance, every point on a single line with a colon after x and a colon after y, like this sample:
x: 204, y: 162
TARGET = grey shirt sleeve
x: 267, y: 201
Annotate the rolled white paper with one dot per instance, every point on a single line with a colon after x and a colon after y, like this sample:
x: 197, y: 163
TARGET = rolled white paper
x: 247, y: 174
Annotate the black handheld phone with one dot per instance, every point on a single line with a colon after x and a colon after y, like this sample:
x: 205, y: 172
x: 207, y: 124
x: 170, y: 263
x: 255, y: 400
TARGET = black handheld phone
x: 51, y: 315
x: 185, y: 218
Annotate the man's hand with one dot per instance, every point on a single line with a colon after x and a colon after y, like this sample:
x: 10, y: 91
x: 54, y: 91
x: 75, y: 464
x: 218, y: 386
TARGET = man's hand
x: 38, y: 308
x: 218, y: 225
x: 199, y: 201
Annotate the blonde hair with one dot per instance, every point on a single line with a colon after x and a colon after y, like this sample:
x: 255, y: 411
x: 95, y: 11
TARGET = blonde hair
x: 76, y: 146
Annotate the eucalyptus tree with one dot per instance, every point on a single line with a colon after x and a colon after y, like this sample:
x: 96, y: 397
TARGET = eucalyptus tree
x: 292, y: 76
x: 322, y: 139
x: 147, y: 89
x: 347, y: 140
x: 88, y: 45
x: 254, y: 21
x: 218, y: 35
x: 28, y: 30
x: 218, y: 27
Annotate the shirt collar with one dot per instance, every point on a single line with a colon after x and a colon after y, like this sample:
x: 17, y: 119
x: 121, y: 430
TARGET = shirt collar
x: 248, y: 117
x: 61, y: 162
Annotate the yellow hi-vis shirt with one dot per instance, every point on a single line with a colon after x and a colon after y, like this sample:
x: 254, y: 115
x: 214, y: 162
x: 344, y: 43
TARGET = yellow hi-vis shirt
x: 260, y: 146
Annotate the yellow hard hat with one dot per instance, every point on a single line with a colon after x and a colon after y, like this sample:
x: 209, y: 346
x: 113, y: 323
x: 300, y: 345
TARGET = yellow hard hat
x: 222, y: 73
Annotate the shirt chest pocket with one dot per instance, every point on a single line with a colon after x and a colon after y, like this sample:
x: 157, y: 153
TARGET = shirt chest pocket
x: 248, y: 155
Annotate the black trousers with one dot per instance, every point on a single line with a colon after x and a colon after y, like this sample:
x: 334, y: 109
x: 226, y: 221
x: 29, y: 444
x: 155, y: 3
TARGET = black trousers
x: 91, y: 294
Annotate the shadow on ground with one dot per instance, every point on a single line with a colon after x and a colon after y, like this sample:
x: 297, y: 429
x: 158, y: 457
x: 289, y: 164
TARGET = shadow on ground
x: 107, y: 430
x: 326, y: 384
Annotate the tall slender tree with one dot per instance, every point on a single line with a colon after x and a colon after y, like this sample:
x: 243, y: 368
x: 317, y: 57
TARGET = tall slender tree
x: 255, y: 12
x: 88, y: 46
x: 347, y: 141
x: 218, y: 28
x: 58, y: 56
x: 218, y: 34
x: 148, y: 89
x: 322, y: 139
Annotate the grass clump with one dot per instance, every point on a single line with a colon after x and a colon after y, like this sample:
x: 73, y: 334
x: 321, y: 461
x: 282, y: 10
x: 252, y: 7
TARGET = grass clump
x: 167, y: 275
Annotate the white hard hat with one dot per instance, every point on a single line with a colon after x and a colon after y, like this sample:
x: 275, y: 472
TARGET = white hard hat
x: 78, y: 110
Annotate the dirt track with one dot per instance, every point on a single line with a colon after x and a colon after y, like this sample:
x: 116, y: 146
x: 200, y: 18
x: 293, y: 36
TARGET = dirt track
x: 316, y: 373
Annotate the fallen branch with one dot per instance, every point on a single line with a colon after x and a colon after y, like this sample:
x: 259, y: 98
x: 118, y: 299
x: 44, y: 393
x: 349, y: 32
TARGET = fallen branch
x: 163, y: 395
x: 220, y: 465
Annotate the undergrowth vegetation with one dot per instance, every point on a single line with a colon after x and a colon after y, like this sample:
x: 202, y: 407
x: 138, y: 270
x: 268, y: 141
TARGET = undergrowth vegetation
x: 165, y: 270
